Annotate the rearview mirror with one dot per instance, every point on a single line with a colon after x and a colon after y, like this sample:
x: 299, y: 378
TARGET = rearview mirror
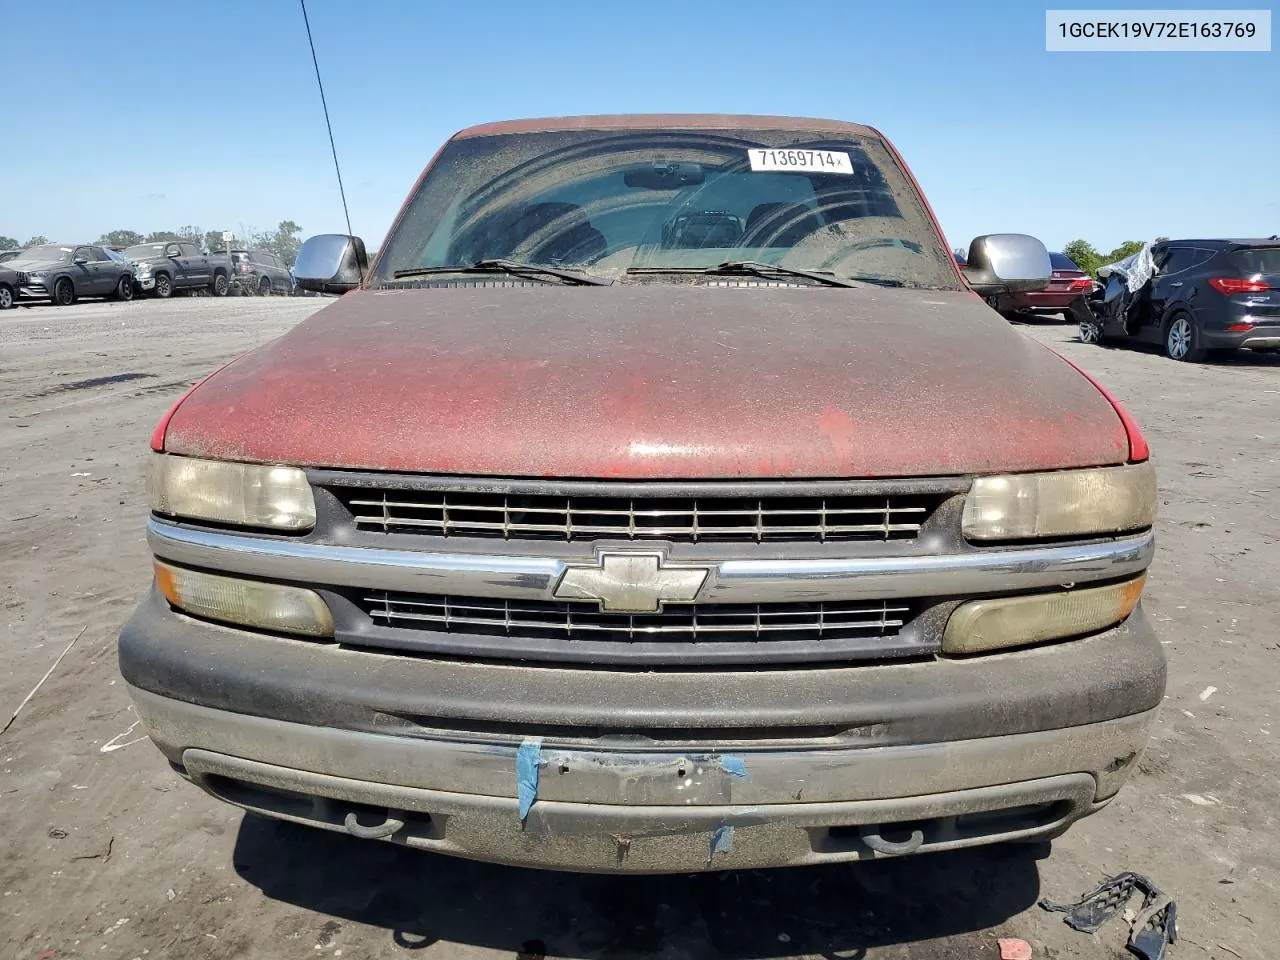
x: 665, y: 176
x: 1007, y: 263
x: 331, y: 263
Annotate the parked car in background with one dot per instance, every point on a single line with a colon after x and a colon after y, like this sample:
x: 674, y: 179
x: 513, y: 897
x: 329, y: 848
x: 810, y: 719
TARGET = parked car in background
x: 170, y: 265
x: 8, y: 288
x: 1205, y: 296
x: 261, y: 272
x: 7, y: 255
x: 63, y: 273
x: 1067, y: 284
x: 717, y: 496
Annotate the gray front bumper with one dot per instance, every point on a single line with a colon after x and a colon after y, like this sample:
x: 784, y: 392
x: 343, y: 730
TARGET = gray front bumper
x: 646, y: 811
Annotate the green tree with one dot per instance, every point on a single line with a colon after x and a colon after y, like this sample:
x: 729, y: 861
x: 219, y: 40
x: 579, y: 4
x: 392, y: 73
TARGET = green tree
x: 1083, y: 254
x: 120, y: 238
x: 1126, y: 249
x: 35, y: 241
x: 213, y: 241
x: 159, y: 236
x: 8, y: 243
x: 284, y: 241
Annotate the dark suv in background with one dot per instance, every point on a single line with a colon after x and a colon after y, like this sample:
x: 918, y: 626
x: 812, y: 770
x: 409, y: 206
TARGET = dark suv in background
x: 261, y: 272
x: 1205, y: 296
x: 1067, y: 284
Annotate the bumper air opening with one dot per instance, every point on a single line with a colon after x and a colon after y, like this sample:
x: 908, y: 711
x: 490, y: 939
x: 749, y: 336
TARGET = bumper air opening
x: 342, y: 816
x: 908, y: 836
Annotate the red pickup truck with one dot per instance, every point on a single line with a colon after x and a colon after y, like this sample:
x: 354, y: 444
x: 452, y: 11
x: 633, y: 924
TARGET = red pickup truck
x: 662, y: 498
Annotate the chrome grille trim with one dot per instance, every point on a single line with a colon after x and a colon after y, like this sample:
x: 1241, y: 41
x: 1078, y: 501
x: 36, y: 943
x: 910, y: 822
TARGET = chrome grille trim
x: 532, y: 577
x: 677, y: 622
x: 693, y: 519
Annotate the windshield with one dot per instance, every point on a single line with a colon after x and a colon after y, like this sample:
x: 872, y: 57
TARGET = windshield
x: 112, y: 255
x: 142, y: 251
x: 1060, y: 261
x: 48, y: 251
x: 610, y: 201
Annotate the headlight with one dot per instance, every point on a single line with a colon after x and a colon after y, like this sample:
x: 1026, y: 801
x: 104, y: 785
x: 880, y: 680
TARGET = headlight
x: 35, y: 275
x: 1027, y: 506
x: 142, y: 268
x: 1002, y: 622
x: 249, y: 603
x: 241, y: 494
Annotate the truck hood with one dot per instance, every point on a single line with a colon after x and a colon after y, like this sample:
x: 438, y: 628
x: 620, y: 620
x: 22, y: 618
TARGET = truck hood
x: 654, y: 381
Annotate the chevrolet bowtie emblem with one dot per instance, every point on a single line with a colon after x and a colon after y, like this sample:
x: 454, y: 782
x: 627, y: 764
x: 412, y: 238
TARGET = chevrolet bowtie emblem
x: 631, y: 582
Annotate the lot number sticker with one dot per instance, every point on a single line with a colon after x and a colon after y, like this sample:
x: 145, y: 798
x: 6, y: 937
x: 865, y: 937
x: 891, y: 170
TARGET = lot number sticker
x: 800, y: 160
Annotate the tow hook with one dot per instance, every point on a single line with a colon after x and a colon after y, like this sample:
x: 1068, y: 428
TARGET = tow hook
x: 376, y: 831
x: 894, y: 848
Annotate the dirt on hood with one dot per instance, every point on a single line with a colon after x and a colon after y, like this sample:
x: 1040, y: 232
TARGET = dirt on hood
x: 650, y: 381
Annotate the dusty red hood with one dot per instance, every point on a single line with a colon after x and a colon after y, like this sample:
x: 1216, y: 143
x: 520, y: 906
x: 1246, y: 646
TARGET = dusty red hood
x: 654, y: 381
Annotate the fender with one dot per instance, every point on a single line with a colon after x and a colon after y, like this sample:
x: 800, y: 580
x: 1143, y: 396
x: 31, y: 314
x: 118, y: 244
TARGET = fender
x: 1183, y: 304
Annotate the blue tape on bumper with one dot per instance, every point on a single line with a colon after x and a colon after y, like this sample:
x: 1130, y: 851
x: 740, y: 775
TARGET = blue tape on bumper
x: 528, y: 760
x: 721, y: 841
x: 735, y: 767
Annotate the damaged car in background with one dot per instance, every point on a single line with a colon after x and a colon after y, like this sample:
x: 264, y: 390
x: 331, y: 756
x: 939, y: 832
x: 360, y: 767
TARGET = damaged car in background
x: 166, y: 267
x: 261, y: 273
x: 663, y: 498
x: 1195, y: 298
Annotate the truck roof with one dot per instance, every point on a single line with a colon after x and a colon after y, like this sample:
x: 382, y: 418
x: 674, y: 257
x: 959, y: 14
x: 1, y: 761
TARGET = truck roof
x: 634, y: 121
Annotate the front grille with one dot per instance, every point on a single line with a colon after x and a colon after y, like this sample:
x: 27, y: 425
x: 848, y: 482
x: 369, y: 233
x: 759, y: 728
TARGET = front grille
x: 549, y: 517
x: 677, y: 623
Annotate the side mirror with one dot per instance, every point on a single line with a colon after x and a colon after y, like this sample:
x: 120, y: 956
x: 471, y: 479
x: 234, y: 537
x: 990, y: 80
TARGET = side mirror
x: 1007, y: 263
x: 81, y: 260
x: 331, y: 263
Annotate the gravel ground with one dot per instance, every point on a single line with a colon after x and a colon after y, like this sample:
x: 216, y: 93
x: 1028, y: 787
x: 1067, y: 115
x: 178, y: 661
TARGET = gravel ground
x: 108, y: 854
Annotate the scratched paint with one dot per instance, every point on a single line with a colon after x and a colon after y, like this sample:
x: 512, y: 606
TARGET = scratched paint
x: 636, y: 382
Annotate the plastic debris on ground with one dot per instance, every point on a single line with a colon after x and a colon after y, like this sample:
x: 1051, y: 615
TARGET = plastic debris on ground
x: 1153, y: 928
x: 1011, y: 948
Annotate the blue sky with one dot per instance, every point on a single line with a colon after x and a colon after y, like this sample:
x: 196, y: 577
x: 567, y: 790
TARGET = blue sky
x: 155, y: 114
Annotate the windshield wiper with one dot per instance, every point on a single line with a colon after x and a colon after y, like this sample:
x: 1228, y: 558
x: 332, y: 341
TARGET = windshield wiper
x: 878, y: 281
x: 513, y: 267
x: 755, y: 268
